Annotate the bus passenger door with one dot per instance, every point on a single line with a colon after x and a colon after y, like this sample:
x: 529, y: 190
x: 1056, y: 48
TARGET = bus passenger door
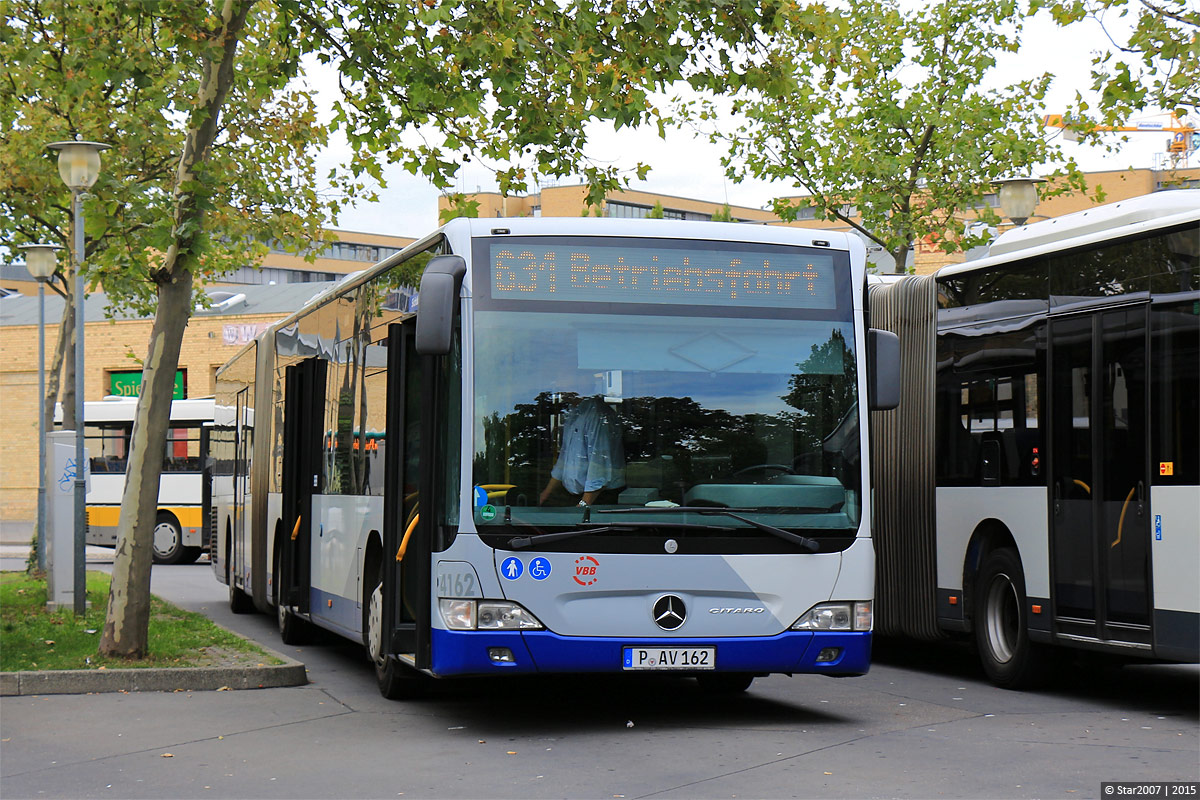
x: 404, y: 619
x: 303, y: 438
x: 1099, y: 476
x: 240, y: 477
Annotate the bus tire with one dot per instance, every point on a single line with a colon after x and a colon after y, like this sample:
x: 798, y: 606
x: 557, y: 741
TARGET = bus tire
x: 239, y: 601
x: 293, y: 629
x: 168, y: 540
x: 396, y: 680
x: 1008, y: 656
x: 724, y: 682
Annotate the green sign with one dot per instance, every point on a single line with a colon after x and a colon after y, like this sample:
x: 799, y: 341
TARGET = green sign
x: 129, y: 384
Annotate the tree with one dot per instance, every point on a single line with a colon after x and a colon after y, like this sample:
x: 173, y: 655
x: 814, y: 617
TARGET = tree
x: 198, y: 146
x: 878, y: 114
x: 1155, y: 67
x: 428, y: 85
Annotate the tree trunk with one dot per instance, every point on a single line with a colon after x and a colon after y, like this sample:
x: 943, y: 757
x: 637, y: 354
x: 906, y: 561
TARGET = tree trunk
x: 65, y: 368
x: 66, y: 333
x: 900, y: 254
x: 126, y: 629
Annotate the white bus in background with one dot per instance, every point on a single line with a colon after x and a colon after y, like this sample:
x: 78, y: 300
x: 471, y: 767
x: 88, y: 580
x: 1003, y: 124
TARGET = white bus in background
x: 399, y: 475
x: 179, y: 532
x: 1039, y: 485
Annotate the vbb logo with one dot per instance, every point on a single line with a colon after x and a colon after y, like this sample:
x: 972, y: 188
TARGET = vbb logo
x: 585, y: 570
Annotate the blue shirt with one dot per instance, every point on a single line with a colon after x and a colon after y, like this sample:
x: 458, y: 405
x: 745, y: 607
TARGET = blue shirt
x: 592, y: 455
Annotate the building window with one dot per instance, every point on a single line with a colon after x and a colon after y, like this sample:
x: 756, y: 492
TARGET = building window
x: 634, y: 211
x: 625, y: 210
x: 989, y: 200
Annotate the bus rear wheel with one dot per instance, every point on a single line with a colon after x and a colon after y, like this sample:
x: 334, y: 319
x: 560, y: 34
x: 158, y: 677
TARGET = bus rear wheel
x: 293, y: 629
x: 168, y: 542
x: 1008, y: 656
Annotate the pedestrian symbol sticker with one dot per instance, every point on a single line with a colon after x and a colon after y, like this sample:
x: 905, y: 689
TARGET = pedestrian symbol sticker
x: 539, y: 568
x: 512, y: 568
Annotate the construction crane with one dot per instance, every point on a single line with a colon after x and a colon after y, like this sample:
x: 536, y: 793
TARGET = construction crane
x: 1179, y: 146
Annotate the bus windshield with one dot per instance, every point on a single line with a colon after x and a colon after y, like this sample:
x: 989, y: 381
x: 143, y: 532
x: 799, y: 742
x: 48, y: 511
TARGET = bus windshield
x: 583, y: 409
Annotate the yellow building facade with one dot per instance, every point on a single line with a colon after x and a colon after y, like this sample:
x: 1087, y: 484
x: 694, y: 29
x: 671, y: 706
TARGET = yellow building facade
x: 244, y: 304
x: 570, y: 201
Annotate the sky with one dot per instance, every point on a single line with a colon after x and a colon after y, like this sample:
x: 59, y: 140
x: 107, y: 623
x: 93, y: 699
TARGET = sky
x: 685, y: 165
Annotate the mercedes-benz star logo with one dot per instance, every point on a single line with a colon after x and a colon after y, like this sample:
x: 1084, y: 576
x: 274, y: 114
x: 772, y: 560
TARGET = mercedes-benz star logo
x: 669, y: 612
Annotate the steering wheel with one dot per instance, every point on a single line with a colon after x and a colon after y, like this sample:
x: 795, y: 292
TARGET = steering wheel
x: 784, y: 468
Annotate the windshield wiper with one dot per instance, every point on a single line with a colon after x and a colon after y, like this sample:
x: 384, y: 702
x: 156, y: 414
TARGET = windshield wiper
x: 522, y: 542
x: 808, y: 544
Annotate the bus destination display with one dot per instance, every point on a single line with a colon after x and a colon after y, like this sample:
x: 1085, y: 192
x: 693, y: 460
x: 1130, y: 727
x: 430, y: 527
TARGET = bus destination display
x: 772, y: 277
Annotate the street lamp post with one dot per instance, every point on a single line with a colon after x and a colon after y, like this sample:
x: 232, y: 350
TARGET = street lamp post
x: 1018, y: 197
x: 79, y: 166
x: 41, y: 261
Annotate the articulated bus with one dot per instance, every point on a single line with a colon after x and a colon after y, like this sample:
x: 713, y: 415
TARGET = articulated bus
x: 588, y: 446
x: 1044, y: 462
x: 179, y: 531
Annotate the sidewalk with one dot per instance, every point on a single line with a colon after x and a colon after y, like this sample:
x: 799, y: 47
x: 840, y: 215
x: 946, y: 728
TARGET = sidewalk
x: 93, y: 554
x: 16, y: 531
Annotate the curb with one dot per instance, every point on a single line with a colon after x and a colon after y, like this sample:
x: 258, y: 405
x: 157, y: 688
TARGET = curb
x: 154, y: 679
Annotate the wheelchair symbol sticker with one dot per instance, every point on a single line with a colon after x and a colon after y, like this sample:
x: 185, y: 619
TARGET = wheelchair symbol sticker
x: 539, y: 568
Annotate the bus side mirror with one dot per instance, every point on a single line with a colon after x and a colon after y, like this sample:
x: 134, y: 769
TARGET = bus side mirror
x: 436, y: 301
x: 883, y: 370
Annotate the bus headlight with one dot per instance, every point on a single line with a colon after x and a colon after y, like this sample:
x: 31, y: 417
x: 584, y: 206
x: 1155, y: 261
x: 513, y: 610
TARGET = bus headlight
x: 491, y: 615
x: 836, y: 617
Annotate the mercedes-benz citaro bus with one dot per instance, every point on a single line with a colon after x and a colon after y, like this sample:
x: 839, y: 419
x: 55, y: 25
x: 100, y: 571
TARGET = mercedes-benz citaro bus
x: 1043, y: 477
x: 585, y: 445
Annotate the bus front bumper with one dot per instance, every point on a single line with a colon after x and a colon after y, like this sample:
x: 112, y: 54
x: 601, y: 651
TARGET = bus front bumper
x: 527, y: 652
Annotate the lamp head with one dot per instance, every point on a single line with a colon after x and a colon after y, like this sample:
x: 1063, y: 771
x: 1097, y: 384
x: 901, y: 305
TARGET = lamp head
x: 1018, y: 197
x: 41, y: 260
x: 78, y: 162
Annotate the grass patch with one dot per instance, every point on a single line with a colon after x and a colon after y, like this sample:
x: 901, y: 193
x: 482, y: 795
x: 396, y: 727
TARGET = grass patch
x: 32, y: 638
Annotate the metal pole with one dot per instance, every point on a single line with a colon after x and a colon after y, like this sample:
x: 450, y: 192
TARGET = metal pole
x: 41, y: 401
x: 80, y: 467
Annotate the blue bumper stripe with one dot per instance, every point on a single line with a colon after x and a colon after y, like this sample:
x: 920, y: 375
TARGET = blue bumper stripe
x: 466, y: 652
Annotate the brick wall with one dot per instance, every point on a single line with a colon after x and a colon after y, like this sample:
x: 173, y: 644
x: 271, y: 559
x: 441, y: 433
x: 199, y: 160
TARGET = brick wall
x: 106, y: 347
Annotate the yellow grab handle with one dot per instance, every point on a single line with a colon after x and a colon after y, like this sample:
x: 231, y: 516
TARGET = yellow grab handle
x: 296, y: 530
x: 407, y: 533
x: 1121, y: 523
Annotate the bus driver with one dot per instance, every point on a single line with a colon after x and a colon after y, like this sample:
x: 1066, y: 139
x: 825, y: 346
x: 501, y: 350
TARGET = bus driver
x: 592, y: 457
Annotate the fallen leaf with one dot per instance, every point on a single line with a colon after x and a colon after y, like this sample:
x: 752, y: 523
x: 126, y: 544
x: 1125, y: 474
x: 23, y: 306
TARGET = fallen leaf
x: 512, y: 752
x: 168, y: 755
x: 50, y: 641
x: 224, y: 689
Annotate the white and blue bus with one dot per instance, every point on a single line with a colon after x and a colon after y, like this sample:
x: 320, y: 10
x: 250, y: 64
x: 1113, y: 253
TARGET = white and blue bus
x: 584, y: 446
x: 1042, y: 487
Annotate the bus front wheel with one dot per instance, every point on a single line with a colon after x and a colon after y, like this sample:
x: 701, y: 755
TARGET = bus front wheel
x: 1008, y: 656
x: 396, y: 681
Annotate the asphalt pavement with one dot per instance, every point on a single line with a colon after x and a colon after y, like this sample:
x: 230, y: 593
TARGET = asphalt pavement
x: 923, y: 723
